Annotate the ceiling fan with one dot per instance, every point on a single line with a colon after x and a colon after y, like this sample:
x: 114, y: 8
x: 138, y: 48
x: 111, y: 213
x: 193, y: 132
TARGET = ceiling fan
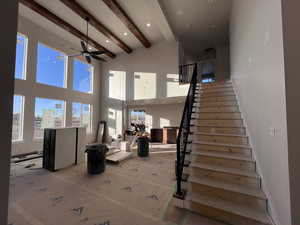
x: 85, y: 48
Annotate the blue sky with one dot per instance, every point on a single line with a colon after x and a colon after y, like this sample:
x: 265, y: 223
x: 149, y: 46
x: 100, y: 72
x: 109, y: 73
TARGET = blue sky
x: 20, y: 55
x: 50, y: 70
x: 17, y: 104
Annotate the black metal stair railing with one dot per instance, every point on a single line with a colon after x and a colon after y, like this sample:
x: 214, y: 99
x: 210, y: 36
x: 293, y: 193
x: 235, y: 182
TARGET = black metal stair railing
x: 184, y: 130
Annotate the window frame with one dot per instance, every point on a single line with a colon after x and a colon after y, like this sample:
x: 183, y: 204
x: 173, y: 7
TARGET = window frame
x: 91, y: 73
x: 66, y: 68
x: 64, y: 115
x: 88, y: 129
x: 22, y: 110
x: 24, y: 66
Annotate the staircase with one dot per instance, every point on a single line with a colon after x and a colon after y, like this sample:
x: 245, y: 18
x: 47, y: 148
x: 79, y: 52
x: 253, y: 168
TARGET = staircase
x: 219, y: 177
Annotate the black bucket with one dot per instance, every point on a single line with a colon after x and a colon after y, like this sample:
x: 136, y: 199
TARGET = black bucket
x: 96, y: 158
x: 143, y: 146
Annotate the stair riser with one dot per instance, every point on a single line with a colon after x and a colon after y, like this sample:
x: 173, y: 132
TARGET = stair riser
x: 215, y: 104
x: 220, y: 215
x: 220, y: 130
x: 216, y: 89
x: 224, y: 123
x: 221, y: 139
x: 243, y: 151
x: 216, y: 99
x: 228, y: 163
x: 236, y: 197
x: 217, y: 94
x: 225, y: 116
x: 218, y: 109
x: 224, y: 177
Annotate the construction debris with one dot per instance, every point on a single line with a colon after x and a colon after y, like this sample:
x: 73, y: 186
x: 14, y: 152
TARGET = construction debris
x: 29, y: 165
x: 78, y: 211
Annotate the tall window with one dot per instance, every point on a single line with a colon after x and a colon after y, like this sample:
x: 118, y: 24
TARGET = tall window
x: 51, y: 66
x: 117, y: 85
x: 21, y: 51
x: 49, y: 113
x: 174, y: 88
x: 81, y: 115
x: 144, y: 85
x: 18, y: 109
x: 138, y: 116
x: 82, y: 76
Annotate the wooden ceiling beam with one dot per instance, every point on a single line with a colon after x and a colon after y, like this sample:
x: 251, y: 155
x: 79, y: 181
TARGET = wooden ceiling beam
x: 64, y: 25
x: 127, y: 21
x: 83, y: 13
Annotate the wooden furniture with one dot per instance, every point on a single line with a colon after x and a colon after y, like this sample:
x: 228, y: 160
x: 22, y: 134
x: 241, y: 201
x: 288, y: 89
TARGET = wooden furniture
x: 170, y: 135
x: 156, y: 135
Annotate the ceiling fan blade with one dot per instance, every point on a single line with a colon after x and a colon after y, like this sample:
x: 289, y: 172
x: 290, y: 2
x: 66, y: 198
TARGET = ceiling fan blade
x: 88, y: 59
x: 98, y: 58
x: 83, y: 46
x: 97, y: 52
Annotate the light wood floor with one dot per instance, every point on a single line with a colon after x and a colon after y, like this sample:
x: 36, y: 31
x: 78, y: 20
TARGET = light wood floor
x: 135, y: 192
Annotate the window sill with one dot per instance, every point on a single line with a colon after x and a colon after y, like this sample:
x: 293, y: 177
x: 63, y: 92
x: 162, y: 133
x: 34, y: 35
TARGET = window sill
x: 38, y: 140
x: 18, y: 142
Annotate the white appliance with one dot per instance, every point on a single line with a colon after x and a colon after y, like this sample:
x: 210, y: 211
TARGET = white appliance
x: 63, y: 147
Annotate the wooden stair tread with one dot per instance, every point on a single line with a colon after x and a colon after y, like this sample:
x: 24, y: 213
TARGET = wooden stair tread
x: 218, y: 112
x: 222, y: 144
x: 217, y: 126
x: 255, y: 192
x: 197, y: 112
x: 214, y: 119
x: 214, y: 104
x: 222, y: 156
x: 222, y: 169
x: 230, y: 207
x: 219, y: 96
x: 213, y: 100
x: 220, y: 134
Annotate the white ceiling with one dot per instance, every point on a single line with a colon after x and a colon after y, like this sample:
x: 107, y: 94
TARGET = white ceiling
x: 198, y: 24
x: 136, y: 9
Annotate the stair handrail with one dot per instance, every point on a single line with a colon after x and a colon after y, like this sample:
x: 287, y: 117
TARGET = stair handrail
x: 184, y: 131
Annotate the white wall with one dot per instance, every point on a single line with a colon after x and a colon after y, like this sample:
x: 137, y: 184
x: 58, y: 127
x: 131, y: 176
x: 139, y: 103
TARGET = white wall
x: 30, y: 89
x: 162, y: 60
x: 291, y: 34
x: 8, y: 19
x: 257, y: 70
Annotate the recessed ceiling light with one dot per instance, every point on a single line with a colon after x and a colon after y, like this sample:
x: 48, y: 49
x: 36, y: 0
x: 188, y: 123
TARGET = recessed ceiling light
x: 107, y: 41
x: 148, y: 24
x: 125, y: 33
x: 90, y: 48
